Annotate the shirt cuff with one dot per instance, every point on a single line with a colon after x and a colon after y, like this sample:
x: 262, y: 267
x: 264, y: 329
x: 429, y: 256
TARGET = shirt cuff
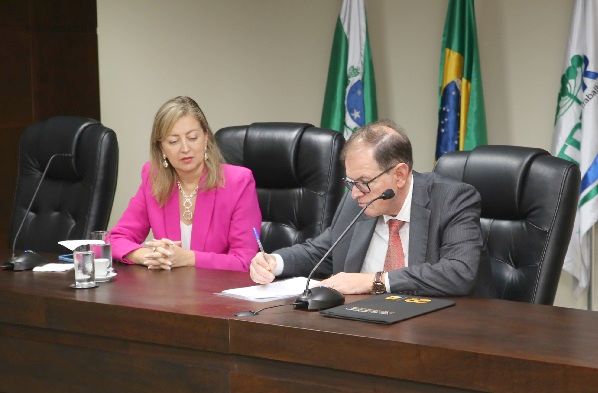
x: 386, y: 281
x: 279, y: 265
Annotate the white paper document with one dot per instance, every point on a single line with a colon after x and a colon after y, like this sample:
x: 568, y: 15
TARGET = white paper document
x: 54, y: 267
x: 273, y: 291
x: 72, y: 244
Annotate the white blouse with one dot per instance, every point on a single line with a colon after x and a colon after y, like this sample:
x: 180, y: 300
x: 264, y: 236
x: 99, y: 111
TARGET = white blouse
x: 186, y: 235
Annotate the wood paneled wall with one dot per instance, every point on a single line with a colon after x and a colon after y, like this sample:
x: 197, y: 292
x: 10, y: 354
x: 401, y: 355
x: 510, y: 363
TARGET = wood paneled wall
x: 48, y: 67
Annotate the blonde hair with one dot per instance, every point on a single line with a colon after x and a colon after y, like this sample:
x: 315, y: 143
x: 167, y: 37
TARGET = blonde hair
x: 163, y: 179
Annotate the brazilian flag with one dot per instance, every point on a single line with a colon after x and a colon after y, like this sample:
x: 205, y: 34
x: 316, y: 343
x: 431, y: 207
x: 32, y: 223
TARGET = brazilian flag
x: 461, y: 115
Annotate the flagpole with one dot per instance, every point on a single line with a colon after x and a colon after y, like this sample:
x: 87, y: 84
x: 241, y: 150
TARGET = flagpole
x: 591, y: 268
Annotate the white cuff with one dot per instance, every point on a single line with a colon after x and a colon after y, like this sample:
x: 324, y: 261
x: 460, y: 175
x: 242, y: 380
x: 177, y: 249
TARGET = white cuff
x: 279, y: 265
x: 386, y: 282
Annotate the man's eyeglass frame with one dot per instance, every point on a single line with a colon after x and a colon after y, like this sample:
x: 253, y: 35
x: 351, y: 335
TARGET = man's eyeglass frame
x: 363, y: 186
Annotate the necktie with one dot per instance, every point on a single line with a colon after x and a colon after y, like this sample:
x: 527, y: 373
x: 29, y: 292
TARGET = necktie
x: 395, y: 258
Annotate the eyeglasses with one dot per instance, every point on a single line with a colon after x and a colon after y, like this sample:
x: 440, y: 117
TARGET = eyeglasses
x: 363, y: 186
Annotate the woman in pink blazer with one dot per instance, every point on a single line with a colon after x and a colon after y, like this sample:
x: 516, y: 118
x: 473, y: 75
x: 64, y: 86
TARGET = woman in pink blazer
x: 201, y: 212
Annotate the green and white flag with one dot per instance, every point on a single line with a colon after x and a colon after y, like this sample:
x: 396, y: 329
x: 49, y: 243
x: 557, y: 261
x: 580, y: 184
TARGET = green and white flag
x: 350, y: 98
x: 576, y: 131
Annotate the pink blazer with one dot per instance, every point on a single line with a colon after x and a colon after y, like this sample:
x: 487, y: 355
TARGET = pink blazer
x: 221, y: 237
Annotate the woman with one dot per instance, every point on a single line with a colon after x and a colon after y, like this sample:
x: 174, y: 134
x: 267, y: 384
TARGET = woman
x: 202, y: 210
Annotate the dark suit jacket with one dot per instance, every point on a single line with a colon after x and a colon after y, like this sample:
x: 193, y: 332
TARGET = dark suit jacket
x: 446, y: 250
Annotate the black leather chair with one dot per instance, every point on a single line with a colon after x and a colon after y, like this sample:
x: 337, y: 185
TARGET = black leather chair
x: 298, y: 174
x: 76, y: 196
x: 529, y: 199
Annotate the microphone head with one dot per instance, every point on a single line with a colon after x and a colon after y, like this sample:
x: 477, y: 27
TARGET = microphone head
x: 387, y: 194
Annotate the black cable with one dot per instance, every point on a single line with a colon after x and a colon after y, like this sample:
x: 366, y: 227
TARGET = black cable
x: 253, y: 313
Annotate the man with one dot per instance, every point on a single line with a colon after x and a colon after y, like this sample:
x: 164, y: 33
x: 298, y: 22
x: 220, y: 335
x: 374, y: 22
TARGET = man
x: 426, y: 240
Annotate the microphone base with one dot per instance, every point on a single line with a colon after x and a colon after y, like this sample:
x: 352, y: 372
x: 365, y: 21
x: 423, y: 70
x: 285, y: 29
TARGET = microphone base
x: 26, y: 261
x: 319, y: 298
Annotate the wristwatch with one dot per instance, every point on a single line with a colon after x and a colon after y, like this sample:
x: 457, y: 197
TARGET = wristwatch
x: 378, y: 286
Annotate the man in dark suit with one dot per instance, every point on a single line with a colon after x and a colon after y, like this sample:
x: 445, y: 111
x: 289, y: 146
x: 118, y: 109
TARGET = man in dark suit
x: 426, y: 240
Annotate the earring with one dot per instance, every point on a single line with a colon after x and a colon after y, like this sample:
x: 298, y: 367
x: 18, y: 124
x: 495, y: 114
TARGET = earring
x: 164, y: 163
x: 205, y: 156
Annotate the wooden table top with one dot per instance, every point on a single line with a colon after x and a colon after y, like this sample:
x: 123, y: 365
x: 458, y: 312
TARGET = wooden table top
x: 476, y: 338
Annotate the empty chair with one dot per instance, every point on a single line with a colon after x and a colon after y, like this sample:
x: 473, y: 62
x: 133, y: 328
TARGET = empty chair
x: 297, y: 172
x: 529, y: 200
x: 76, y: 196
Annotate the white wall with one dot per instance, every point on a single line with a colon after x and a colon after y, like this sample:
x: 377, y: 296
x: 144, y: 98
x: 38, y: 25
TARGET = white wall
x: 266, y: 60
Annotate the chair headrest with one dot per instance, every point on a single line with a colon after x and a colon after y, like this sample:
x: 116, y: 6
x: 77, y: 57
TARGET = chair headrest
x: 499, y: 173
x: 59, y: 134
x: 271, y: 150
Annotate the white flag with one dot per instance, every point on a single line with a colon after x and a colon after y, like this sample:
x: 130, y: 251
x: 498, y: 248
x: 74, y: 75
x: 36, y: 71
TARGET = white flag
x: 576, y: 131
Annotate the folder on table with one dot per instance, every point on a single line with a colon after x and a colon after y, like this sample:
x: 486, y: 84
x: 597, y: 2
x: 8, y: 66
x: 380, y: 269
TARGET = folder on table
x: 387, y: 308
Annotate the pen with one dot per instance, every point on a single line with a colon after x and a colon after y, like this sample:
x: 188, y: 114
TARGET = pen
x: 257, y: 239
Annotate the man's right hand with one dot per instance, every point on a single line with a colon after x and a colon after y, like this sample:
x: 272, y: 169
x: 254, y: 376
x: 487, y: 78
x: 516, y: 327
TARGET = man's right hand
x: 262, y: 268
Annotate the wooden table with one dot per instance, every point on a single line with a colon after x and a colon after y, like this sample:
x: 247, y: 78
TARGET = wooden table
x: 169, y: 331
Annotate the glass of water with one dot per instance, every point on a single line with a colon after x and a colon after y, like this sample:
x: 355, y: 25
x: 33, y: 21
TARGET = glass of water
x: 103, y: 251
x: 84, y: 269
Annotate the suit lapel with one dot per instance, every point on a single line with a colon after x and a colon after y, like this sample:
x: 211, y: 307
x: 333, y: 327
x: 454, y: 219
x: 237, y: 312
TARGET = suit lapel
x: 202, y: 218
x: 420, y: 220
x: 360, y: 242
x: 172, y: 224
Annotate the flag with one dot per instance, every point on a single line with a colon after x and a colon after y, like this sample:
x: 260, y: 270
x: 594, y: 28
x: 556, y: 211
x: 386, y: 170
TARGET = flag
x: 461, y: 115
x: 576, y: 131
x: 350, y: 98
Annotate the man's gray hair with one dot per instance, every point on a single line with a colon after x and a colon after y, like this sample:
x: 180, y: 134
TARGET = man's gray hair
x: 391, y: 144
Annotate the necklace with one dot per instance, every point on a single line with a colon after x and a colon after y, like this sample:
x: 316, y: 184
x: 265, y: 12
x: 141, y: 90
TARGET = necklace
x: 187, y: 204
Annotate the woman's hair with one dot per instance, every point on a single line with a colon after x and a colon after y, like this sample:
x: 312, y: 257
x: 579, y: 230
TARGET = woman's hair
x: 163, y: 179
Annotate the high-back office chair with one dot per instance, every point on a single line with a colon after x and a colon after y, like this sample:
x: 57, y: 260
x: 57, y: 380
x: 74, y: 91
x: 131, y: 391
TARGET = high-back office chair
x: 529, y: 199
x: 76, y: 196
x: 298, y: 174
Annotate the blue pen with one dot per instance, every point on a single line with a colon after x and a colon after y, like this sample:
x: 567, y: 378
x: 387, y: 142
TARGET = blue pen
x: 257, y: 239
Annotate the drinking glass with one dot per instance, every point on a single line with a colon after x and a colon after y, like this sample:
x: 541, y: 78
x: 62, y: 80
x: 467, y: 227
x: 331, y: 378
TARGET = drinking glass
x: 84, y: 269
x: 103, y: 251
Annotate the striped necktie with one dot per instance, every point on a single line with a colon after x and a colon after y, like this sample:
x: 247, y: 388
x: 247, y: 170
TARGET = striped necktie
x: 395, y: 258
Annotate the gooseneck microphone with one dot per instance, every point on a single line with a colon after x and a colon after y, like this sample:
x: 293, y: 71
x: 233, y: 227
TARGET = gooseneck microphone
x: 29, y: 259
x: 320, y: 298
